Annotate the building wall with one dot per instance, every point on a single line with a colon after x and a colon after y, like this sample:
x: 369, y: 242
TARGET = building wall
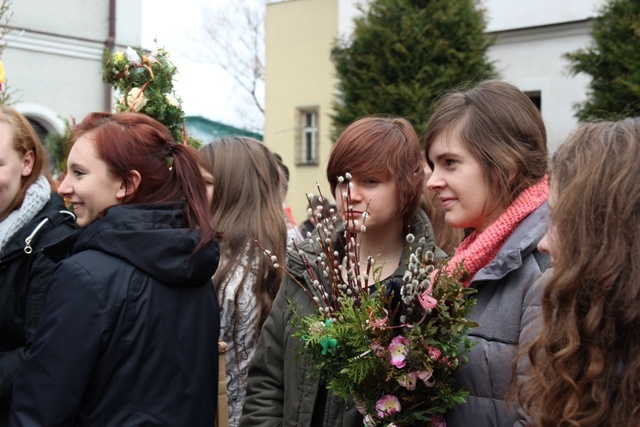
x: 532, y: 59
x: 54, y: 52
x: 531, y: 39
x: 299, y: 74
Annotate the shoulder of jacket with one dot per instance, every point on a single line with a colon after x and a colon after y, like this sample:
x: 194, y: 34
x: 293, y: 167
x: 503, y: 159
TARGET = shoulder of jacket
x: 109, y: 274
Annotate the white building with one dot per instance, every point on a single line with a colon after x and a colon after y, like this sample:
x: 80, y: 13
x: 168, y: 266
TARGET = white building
x: 53, y: 56
x: 531, y: 39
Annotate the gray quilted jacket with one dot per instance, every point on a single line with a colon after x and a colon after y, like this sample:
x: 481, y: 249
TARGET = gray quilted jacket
x: 507, y: 308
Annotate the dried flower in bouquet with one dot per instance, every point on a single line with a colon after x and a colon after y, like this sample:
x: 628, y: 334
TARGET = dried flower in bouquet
x: 144, y: 83
x: 391, y: 345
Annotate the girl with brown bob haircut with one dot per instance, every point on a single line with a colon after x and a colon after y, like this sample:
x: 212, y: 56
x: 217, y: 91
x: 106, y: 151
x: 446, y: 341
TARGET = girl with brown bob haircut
x: 386, y: 148
x: 487, y: 149
x: 584, y: 364
x: 383, y: 157
x: 130, y: 322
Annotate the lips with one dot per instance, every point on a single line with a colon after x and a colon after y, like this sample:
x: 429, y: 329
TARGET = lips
x: 352, y: 214
x: 447, y: 202
x: 76, y: 206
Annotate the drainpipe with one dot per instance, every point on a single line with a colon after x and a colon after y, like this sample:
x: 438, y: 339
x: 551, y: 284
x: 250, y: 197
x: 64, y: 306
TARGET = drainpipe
x: 110, y: 44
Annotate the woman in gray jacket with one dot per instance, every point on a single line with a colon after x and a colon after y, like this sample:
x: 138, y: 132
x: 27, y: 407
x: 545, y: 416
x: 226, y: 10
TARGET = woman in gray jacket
x: 487, y: 149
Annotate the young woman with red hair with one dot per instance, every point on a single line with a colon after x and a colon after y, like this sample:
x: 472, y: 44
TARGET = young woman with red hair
x: 130, y: 325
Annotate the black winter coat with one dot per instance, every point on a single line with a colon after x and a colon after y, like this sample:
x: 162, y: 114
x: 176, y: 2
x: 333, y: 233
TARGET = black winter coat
x: 24, y: 275
x: 129, y: 332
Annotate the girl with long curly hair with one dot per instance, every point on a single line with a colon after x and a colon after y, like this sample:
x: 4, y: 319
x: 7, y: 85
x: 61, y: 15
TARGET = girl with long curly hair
x: 584, y: 365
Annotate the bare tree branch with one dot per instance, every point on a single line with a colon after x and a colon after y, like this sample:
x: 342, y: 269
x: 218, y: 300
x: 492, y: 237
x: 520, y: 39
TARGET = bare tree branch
x: 236, y: 35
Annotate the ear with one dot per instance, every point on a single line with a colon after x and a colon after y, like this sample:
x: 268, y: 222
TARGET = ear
x: 27, y: 163
x: 129, y: 186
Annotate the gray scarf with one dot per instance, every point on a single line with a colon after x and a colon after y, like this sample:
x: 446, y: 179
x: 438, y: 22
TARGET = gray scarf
x: 36, y: 197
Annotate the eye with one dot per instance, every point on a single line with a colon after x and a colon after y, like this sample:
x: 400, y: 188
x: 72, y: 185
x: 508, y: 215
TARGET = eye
x: 449, y: 162
x: 78, y: 172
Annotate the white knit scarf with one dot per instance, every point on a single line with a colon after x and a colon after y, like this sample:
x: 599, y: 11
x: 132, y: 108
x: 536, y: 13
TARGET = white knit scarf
x: 38, y: 194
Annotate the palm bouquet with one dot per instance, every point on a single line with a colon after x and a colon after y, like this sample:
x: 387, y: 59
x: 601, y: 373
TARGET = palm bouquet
x: 143, y: 80
x: 392, y: 345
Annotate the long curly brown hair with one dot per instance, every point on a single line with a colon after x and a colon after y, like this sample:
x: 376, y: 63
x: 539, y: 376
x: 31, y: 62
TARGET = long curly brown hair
x: 585, y: 363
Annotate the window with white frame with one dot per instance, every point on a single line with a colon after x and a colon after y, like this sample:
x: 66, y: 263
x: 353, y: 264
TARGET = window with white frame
x: 308, y: 136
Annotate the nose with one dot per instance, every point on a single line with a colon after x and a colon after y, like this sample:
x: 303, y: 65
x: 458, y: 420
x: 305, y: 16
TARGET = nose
x: 64, y: 189
x: 435, y: 181
x: 354, y: 191
x: 543, y: 244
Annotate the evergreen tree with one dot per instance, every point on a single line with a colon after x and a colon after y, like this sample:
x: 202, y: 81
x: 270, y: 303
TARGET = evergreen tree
x: 404, y: 53
x: 613, y: 61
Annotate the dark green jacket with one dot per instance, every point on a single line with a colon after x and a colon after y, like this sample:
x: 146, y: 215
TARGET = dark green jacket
x: 279, y: 389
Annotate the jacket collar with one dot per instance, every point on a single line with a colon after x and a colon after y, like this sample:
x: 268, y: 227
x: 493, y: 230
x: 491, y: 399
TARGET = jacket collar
x: 522, y: 242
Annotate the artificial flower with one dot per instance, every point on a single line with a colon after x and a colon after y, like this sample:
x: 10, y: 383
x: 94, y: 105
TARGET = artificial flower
x: 398, y: 351
x: 388, y: 405
x: 434, y: 353
x: 317, y: 328
x: 378, y: 349
x: 119, y: 59
x: 132, y: 55
x: 369, y: 421
x: 172, y: 100
x: 378, y: 323
x: 136, y: 99
x: 426, y: 377
x: 408, y: 381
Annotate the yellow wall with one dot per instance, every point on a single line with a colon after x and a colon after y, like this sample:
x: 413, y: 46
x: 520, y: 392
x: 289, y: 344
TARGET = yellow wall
x: 299, y: 73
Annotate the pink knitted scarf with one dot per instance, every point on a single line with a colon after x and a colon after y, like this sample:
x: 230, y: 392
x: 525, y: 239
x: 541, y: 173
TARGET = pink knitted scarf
x: 479, y: 249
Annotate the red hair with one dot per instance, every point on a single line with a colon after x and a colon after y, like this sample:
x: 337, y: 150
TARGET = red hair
x: 135, y: 142
x: 384, y: 147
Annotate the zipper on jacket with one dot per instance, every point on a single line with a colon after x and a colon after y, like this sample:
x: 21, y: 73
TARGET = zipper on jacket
x: 27, y: 248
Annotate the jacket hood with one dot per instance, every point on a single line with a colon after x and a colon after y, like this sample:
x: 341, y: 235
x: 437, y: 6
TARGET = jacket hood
x: 156, y: 239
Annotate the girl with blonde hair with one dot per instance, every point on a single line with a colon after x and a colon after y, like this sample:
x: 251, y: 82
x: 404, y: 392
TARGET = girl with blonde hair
x: 32, y: 216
